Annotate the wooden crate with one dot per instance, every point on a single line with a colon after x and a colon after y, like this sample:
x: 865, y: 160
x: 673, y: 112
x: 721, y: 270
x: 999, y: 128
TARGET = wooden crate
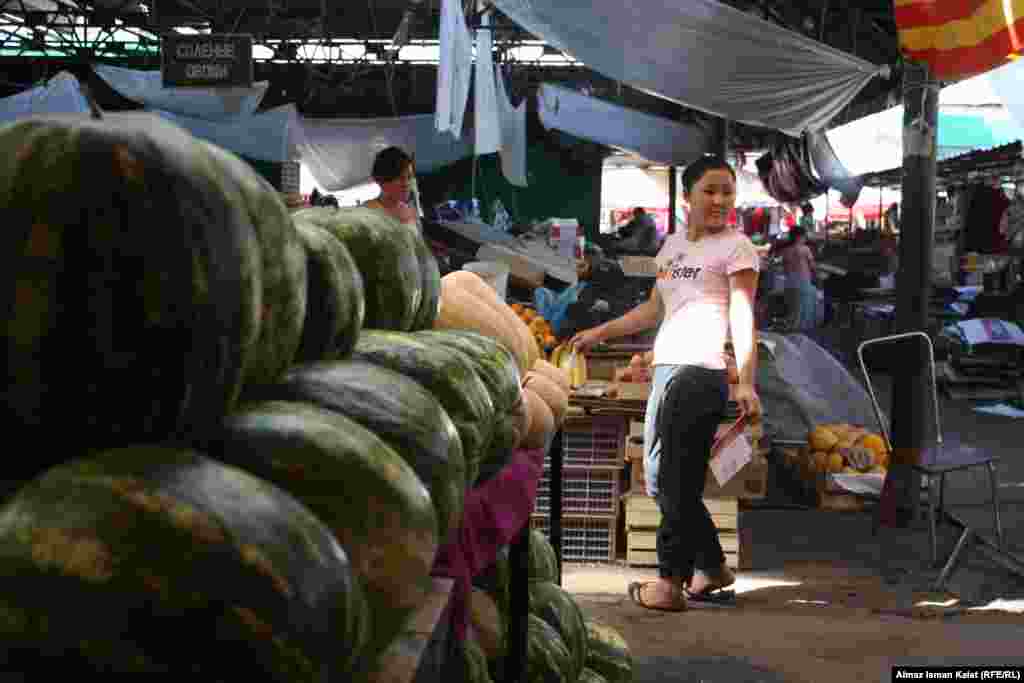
x: 642, y: 512
x: 641, y: 548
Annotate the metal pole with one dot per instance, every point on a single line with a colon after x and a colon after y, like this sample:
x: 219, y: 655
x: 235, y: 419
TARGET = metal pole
x: 901, y: 494
x: 555, y: 510
x: 672, y: 190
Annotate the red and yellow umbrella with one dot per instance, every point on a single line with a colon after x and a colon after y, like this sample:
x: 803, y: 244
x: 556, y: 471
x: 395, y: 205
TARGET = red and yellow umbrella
x: 960, y: 38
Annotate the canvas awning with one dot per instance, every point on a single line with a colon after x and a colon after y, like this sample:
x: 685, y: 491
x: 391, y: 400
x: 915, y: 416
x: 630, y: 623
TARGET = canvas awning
x: 654, y: 138
x: 704, y: 55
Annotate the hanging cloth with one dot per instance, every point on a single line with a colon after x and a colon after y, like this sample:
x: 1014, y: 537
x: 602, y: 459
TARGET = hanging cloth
x: 454, y: 69
x: 513, y: 134
x: 487, y: 132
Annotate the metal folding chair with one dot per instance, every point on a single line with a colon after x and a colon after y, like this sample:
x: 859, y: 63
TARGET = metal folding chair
x: 936, y: 461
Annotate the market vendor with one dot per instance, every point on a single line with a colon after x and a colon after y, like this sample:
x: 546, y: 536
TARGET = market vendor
x: 393, y: 172
x: 706, y: 285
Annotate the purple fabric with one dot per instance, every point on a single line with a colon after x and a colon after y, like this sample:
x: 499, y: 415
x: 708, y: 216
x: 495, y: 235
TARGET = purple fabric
x: 493, y: 514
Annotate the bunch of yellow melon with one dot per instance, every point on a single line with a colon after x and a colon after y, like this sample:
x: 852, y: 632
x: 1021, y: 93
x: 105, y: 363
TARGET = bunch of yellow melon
x: 847, y: 449
x: 539, y: 327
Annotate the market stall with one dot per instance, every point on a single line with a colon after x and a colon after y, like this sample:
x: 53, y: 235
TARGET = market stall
x: 313, y: 416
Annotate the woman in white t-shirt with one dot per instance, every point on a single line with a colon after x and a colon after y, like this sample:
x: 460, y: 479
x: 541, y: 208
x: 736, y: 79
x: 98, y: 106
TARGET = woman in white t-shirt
x: 706, y: 284
x: 393, y: 172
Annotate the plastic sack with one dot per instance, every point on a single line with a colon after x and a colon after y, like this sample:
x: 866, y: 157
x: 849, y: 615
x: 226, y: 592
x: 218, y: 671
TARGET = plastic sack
x: 802, y: 385
x: 553, y: 306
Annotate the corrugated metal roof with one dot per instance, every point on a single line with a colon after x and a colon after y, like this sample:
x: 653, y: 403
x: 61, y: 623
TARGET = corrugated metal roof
x: 1004, y: 158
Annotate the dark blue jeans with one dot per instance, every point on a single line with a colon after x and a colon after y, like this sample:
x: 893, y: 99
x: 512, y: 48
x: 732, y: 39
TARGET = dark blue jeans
x: 692, y: 407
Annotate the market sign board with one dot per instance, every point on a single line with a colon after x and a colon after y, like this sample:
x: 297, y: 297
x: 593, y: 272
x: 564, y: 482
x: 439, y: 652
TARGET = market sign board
x: 206, y: 61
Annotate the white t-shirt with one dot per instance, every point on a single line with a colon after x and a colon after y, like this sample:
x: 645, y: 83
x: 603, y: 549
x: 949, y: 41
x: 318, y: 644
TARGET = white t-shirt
x: 693, y: 281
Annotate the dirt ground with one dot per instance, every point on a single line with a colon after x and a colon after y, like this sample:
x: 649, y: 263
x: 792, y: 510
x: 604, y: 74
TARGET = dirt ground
x: 810, y: 623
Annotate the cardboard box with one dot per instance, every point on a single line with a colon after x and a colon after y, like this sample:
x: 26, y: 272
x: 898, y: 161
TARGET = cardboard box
x: 639, y: 266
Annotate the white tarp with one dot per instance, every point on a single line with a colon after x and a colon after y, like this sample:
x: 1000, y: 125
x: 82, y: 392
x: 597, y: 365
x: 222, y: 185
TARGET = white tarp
x: 454, y: 69
x: 1006, y: 83
x: 274, y: 135
x: 146, y: 88
x: 340, y: 152
x: 704, y: 55
x: 652, y: 137
x: 513, y: 134
x: 60, y: 95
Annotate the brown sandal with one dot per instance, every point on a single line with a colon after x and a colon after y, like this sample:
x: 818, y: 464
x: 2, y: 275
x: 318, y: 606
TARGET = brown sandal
x: 635, y: 591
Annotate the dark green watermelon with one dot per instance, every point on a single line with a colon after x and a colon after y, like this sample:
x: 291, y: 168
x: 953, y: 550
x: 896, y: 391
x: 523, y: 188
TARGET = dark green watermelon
x: 335, y: 303
x: 608, y: 653
x: 398, y: 410
x: 543, y: 562
x: 430, y: 305
x: 497, y: 367
x: 140, y: 558
x: 135, y: 266
x: 386, y: 253
x: 283, y: 272
x: 445, y: 373
x: 357, y: 485
x: 548, y: 660
x: 555, y: 606
x: 495, y: 581
x: 493, y: 362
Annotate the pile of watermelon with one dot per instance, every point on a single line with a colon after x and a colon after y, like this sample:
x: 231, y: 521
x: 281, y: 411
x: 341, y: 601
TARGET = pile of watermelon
x: 562, y: 645
x: 246, y: 426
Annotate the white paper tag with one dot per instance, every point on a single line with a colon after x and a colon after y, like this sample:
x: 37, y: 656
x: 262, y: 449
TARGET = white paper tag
x: 731, y: 458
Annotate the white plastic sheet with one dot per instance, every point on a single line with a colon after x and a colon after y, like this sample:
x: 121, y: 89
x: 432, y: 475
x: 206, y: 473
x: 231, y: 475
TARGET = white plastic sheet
x: 513, y: 135
x: 1005, y: 82
x: 704, y: 55
x: 652, y: 137
x: 340, y: 152
x: 487, y: 131
x: 274, y: 135
x: 454, y: 69
x: 146, y: 88
x: 60, y: 95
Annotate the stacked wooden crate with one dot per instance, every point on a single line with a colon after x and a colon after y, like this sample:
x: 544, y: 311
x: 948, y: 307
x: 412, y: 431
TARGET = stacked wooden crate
x: 723, y: 503
x: 592, y: 452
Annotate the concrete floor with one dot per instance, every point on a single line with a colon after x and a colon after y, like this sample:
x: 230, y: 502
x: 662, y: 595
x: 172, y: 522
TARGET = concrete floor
x: 830, y: 602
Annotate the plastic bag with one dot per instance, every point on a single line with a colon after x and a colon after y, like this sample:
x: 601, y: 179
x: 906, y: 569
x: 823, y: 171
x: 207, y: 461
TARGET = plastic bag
x: 553, y: 306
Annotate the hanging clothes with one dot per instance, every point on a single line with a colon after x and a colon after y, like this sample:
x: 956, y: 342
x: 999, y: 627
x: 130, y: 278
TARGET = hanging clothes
x: 487, y: 131
x: 454, y: 69
x: 985, y: 210
x: 513, y: 134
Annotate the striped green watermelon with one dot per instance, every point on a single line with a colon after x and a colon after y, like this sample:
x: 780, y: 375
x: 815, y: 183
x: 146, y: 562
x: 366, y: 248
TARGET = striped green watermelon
x: 497, y: 367
x: 359, y: 487
x: 560, y: 611
x: 608, y: 653
x: 135, y: 280
x: 386, y: 253
x: 140, y: 558
x: 283, y: 272
x: 430, y: 304
x: 548, y: 660
x: 447, y: 374
x: 541, y: 559
x: 590, y: 676
x: 475, y: 669
x: 397, y: 409
x: 335, y: 301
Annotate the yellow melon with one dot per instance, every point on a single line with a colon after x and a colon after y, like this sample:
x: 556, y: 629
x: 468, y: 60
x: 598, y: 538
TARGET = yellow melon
x: 553, y: 395
x: 823, y: 439
x: 541, y: 421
